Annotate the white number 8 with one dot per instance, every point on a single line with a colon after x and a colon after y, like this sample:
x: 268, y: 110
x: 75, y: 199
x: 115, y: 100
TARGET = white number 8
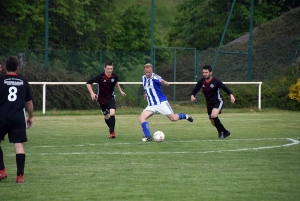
x: 12, y: 96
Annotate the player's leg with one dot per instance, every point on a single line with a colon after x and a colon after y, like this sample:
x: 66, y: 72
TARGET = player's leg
x: 105, y: 112
x: 165, y: 109
x: 3, y: 174
x: 223, y: 133
x: 112, y: 123
x: 111, y: 105
x: 214, y: 120
x: 20, y: 160
x: 180, y: 116
x: 145, y: 125
x: 17, y: 135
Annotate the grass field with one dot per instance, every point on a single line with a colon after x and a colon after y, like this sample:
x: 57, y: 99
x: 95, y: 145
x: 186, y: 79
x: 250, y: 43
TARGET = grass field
x: 71, y: 158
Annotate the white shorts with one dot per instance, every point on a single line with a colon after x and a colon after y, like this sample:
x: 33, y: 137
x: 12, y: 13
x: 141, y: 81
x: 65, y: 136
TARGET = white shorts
x: 164, y: 108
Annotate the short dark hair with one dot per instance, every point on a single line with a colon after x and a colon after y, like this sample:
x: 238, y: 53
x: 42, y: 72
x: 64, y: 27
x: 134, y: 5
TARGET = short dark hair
x: 11, y: 63
x: 108, y: 63
x: 207, y: 67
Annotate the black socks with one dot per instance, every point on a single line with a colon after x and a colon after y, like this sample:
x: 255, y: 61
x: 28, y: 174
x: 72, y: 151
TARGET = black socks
x: 219, y: 125
x: 112, y: 123
x: 20, y: 160
x: 2, y: 167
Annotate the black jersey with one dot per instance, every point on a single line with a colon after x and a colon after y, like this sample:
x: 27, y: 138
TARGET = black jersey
x: 14, y: 92
x: 106, y: 86
x: 211, y: 90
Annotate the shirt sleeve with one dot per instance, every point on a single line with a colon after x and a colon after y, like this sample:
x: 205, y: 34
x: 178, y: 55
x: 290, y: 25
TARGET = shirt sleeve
x: 28, y: 96
x: 222, y: 86
x: 196, y: 88
x: 94, y: 80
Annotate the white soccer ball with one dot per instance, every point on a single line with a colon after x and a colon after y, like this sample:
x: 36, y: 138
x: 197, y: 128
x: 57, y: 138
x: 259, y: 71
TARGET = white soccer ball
x: 158, y: 136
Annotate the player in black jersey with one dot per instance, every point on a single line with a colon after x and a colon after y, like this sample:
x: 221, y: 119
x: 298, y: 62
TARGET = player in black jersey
x: 214, y: 101
x: 105, y: 96
x: 15, y: 94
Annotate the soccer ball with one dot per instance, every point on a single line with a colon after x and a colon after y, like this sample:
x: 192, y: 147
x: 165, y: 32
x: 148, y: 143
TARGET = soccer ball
x: 158, y: 136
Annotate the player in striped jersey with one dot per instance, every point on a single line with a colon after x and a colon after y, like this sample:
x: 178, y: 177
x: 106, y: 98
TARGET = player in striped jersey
x: 214, y: 101
x: 106, y: 97
x: 157, y: 101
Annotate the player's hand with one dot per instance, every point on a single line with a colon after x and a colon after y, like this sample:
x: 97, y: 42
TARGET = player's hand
x: 145, y: 96
x: 193, y: 98
x: 123, y: 94
x: 232, y: 99
x: 94, y: 96
x: 29, y: 122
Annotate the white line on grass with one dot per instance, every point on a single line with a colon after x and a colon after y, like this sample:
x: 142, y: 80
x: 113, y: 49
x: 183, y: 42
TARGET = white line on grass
x: 182, y: 141
x: 292, y: 140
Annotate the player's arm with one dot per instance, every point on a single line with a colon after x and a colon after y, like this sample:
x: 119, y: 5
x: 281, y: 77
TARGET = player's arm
x: 120, y: 90
x: 89, y: 87
x: 29, y: 107
x: 195, y: 91
x: 227, y: 90
x: 164, y: 82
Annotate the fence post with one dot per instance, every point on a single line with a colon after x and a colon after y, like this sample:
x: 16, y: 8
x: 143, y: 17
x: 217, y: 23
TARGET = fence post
x: 174, y: 91
x: 46, y: 33
x: 250, y: 43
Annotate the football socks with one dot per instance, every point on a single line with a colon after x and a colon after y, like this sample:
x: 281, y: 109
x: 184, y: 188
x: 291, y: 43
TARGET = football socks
x: 2, y: 167
x: 218, y: 124
x: 20, y: 159
x: 182, y: 116
x: 112, y: 123
x: 146, y: 129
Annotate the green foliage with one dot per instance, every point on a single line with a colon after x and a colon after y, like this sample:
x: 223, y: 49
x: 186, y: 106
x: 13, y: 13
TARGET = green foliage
x: 295, y: 91
x: 21, y: 23
x: 81, y: 25
x: 164, y: 12
x: 275, y: 94
x: 200, y: 24
x: 134, y: 32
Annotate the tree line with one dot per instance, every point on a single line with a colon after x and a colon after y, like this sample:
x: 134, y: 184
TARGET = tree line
x: 102, y: 25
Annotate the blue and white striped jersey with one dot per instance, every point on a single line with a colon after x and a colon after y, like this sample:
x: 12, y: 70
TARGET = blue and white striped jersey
x: 152, y: 88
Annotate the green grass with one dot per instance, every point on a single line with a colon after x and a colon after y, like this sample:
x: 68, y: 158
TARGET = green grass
x: 71, y: 158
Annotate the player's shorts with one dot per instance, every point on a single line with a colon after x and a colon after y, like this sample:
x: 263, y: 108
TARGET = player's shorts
x: 164, y: 108
x: 218, y: 105
x: 110, y: 104
x: 15, y: 128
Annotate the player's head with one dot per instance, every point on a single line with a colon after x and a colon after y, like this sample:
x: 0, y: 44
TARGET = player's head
x: 148, y: 70
x: 11, y: 64
x: 108, y: 68
x: 207, y: 72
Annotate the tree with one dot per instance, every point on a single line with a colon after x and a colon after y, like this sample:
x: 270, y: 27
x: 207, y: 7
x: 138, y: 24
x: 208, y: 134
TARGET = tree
x: 200, y: 24
x: 83, y: 25
x: 21, y: 23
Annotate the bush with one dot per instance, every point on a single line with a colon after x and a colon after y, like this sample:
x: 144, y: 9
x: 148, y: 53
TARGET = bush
x: 295, y: 91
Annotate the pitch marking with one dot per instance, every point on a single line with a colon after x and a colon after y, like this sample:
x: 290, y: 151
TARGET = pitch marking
x: 293, y: 141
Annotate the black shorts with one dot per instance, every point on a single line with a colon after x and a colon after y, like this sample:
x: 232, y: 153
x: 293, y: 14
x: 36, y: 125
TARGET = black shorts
x: 110, y: 104
x: 16, y: 130
x: 218, y: 105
